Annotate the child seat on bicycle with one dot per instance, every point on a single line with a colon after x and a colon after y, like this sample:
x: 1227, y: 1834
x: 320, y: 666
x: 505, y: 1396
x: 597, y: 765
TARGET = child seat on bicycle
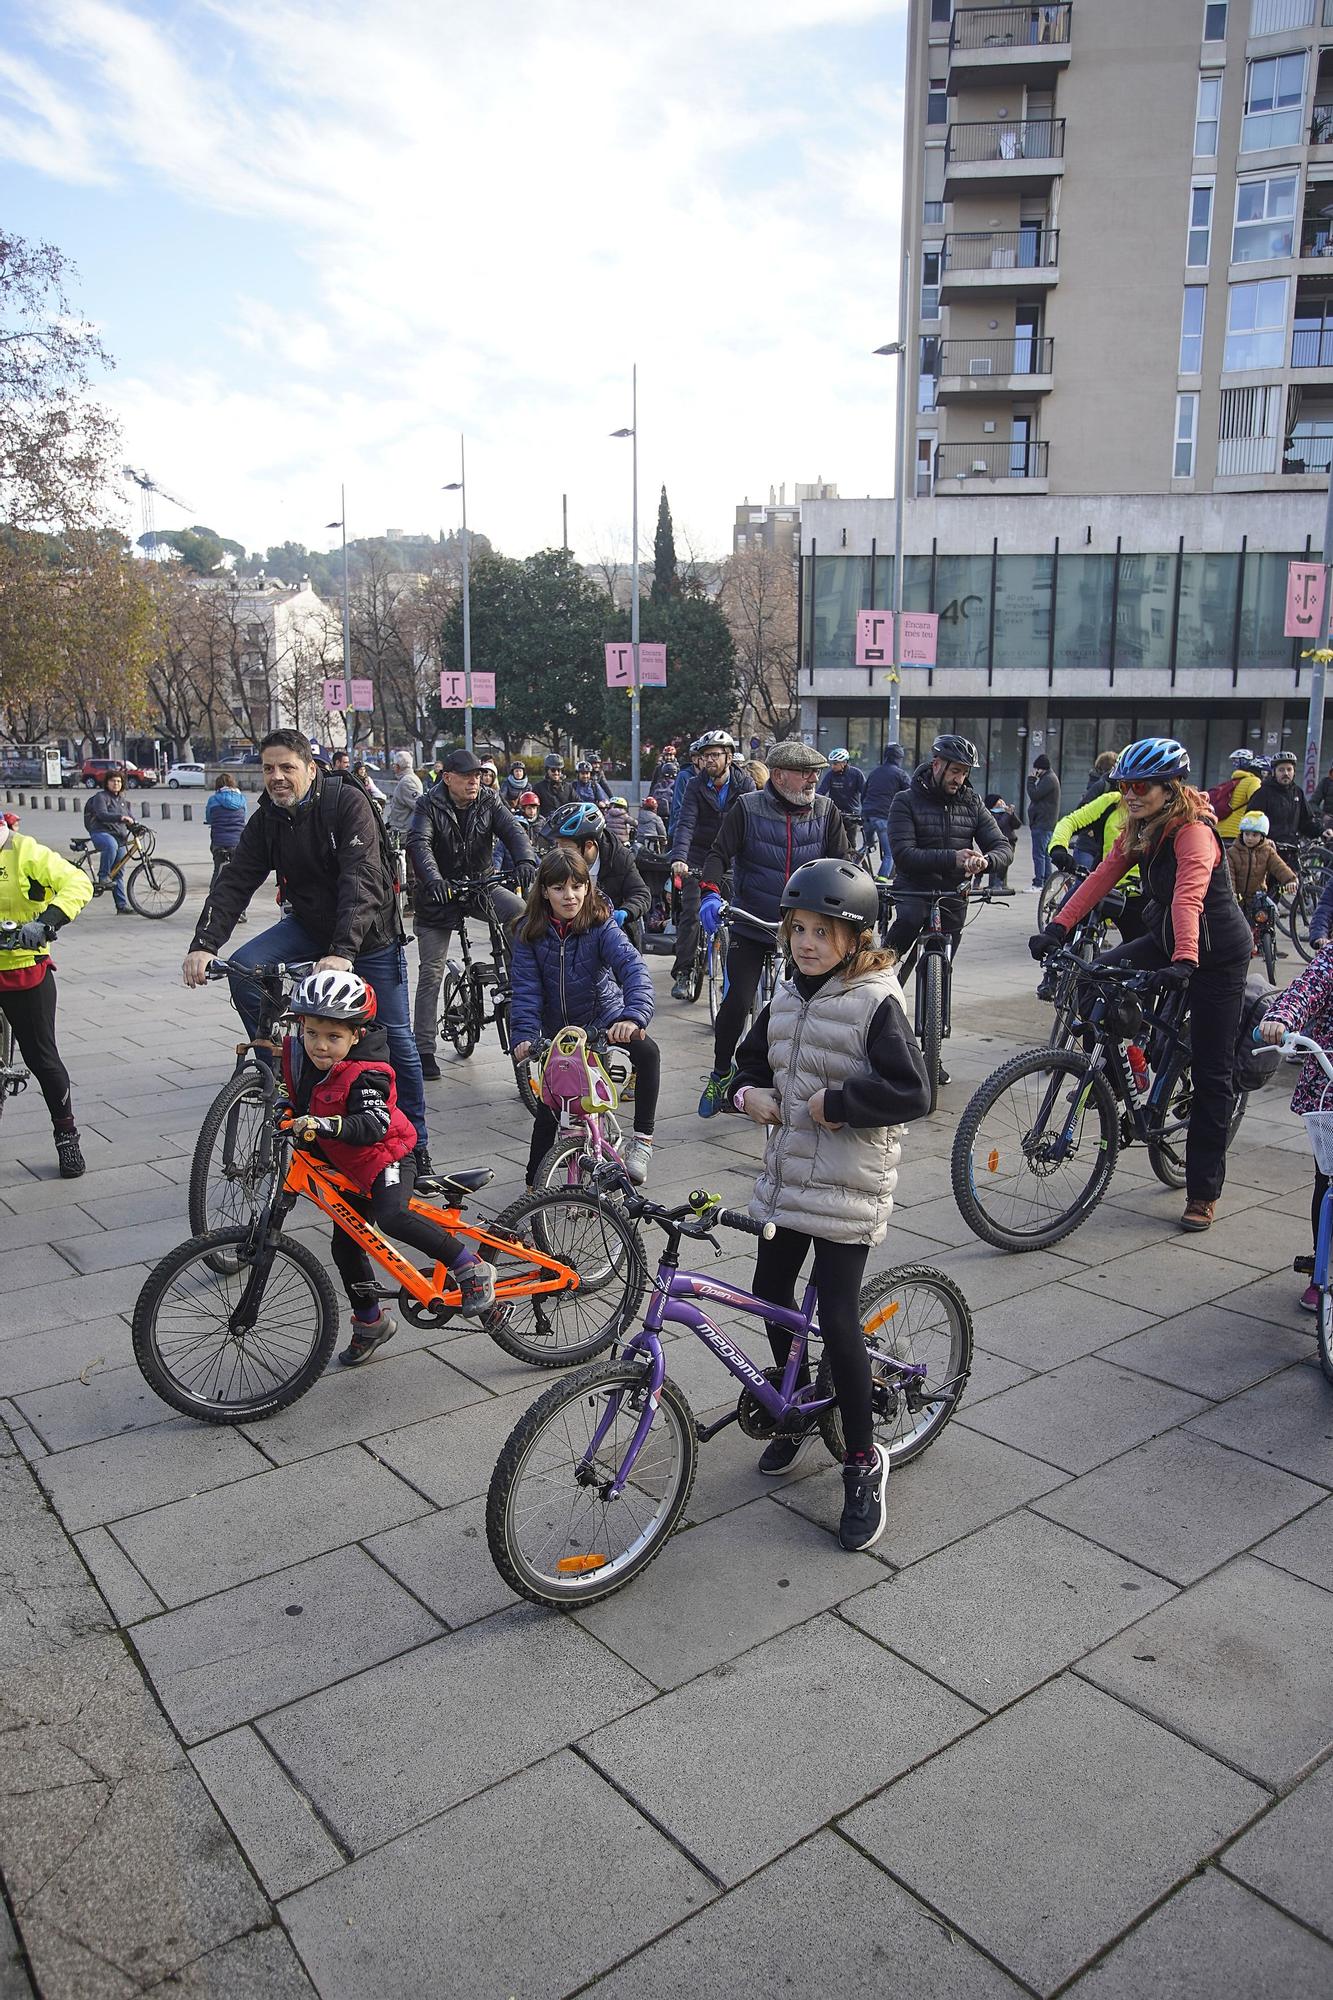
x: 573, y: 1074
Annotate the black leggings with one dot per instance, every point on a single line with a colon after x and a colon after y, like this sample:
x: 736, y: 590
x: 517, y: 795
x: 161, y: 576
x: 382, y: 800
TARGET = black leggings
x: 646, y: 1062
x: 838, y: 1272
x: 746, y: 959
x: 386, y: 1206
x: 32, y: 1015
x: 1316, y: 1204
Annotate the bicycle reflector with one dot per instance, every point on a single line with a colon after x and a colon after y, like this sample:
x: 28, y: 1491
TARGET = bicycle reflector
x: 881, y: 1318
x: 580, y: 1565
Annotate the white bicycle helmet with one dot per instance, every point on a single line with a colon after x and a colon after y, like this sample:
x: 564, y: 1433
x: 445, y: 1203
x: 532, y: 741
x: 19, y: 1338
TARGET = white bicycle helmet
x: 1254, y: 823
x: 714, y: 739
x: 335, y: 996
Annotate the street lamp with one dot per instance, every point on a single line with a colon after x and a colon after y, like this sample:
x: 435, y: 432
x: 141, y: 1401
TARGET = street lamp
x: 898, y: 348
x: 632, y: 432
x: 347, y: 610
x: 459, y: 485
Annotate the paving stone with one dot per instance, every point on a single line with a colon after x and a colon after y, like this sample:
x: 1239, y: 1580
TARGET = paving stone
x: 745, y: 1576
x: 1287, y: 1420
x: 727, y: 1719
x: 990, y: 1374
x: 37, y: 1360
x: 14, y: 1981
x: 1166, y: 1280
x: 444, y: 1560
x: 349, y: 1404
x: 1227, y: 1663
x: 38, y: 1265
x: 1082, y: 1414
x: 116, y: 1577
x: 213, y: 1541
x: 963, y: 1481
x: 987, y: 1278
x: 452, y: 1458
x: 1007, y: 1608
x: 283, y: 1841
x: 143, y: 1243
x: 248, y: 1650
x: 374, y: 1758
x: 1180, y: 1505
x: 125, y: 1475
x: 1212, y: 1938
x: 1054, y: 1324
x: 17, y: 1231
x: 1051, y: 1828
x: 1286, y: 1855
x: 384, y: 1927
x: 26, y: 1194
x: 1305, y: 1547
x: 110, y: 1403
x: 259, y: 1966
x: 1210, y: 1351
x: 1273, y: 1298
x: 46, y: 1600
x: 160, y: 1203
x: 833, y: 1887
x: 39, y: 1308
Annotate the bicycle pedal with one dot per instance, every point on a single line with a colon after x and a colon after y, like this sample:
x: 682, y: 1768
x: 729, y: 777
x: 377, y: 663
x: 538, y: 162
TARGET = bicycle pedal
x: 1304, y: 1265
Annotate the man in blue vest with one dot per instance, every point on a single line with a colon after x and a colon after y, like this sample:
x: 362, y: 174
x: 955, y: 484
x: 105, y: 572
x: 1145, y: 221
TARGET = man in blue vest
x: 763, y: 838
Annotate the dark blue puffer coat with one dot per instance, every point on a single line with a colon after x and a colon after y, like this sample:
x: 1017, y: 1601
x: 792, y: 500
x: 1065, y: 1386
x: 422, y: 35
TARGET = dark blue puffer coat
x: 585, y: 981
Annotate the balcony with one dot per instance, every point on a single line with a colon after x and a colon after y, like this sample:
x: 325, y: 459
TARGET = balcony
x: 1020, y: 364
x: 1317, y: 230
x: 1025, y: 44
x: 977, y: 262
x: 1308, y: 457
x: 995, y: 466
x: 1021, y: 155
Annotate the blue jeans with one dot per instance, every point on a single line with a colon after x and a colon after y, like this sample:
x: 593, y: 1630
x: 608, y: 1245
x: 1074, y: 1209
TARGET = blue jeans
x: 1041, y: 865
x: 111, y: 851
x: 384, y: 970
x: 878, y: 830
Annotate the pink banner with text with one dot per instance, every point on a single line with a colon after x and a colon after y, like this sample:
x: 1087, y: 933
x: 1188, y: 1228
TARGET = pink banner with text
x: 453, y: 690
x: 652, y: 664
x: 363, y: 695
x: 874, y: 638
x: 483, y: 690
x: 918, y: 638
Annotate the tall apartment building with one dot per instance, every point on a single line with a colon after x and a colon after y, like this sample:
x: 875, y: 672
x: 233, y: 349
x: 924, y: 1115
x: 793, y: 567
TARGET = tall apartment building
x: 776, y: 526
x: 1120, y: 400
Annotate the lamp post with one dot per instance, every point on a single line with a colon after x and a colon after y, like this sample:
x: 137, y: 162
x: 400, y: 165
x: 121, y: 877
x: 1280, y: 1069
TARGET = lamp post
x: 898, y: 348
x: 633, y: 433
x: 1314, y: 727
x: 341, y: 523
x: 459, y: 485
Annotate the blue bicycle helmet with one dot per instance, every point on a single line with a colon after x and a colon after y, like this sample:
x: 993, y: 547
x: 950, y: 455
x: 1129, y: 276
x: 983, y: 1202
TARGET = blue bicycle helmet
x: 1159, y: 757
x: 577, y: 821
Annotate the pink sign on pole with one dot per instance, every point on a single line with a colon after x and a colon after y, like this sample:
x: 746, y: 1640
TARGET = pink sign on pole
x: 874, y: 639
x: 335, y: 695
x: 453, y: 691
x: 363, y: 695
x: 483, y: 690
x: 918, y: 638
x: 652, y: 664
x: 620, y: 666
x: 1305, y: 601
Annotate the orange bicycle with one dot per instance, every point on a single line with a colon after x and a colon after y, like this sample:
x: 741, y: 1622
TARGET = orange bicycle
x: 237, y: 1323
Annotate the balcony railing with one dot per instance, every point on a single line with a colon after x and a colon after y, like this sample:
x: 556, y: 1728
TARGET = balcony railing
x: 1317, y: 232
x: 1321, y: 125
x: 1017, y: 354
x: 1003, y: 249
x: 1308, y: 454
x: 991, y: 460
x: 1312, y: 347
x: 1010, y: 27
x: 1275, y: 17
x: 988, y: 139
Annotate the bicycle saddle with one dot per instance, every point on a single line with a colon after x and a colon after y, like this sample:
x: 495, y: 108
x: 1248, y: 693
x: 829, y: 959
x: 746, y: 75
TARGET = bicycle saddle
x: 470, y: 1181
x: 76, y: 846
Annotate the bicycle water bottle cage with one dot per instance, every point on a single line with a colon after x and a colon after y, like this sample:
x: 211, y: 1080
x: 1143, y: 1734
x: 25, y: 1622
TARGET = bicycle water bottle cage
x: 573, y: 1075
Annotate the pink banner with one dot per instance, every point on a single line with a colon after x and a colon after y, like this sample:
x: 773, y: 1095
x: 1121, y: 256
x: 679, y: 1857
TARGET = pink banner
x: 363, y: 694
x: 1305, y: 601
x: 620, y: 666
x: 652, y: 664
x: 453, y: 691
x: 483, y: 690
x: 874, y: 639
x: 335, y: 696
x: 918, y: 638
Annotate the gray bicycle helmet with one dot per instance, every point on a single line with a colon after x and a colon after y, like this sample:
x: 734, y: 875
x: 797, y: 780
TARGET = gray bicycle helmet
x: 833, y: 889
x: 714, y: 739
x: 956, y: 750
x: 577, y: 821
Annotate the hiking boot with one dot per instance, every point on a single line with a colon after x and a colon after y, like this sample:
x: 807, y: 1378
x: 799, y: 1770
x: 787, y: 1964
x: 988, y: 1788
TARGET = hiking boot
x: 476, y: 1282
x: 865, y: 1502
x: 430, y: 1069
x: 366, y: 1337
x: 781, y: 1453
x: 427, y: 1180
x: 1198, y: 1215
x: 70, y: 1155
x: 637, y: 1154
x: 714, y: 1095
x: 1309, y: 1299
x: 680, y: 988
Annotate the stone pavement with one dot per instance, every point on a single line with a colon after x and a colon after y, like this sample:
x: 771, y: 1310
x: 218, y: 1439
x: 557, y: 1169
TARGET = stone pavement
x: 270, y: 1722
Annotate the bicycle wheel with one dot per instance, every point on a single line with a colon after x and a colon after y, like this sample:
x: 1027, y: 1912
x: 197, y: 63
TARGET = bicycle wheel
x: 227, y: 1179
x: 528, y: 1083
x: 930, y: 977
x: 457, y: 1022
x: 194, y: 1355
x: 1303, y: 901
x: 1324, y: 1332
x: 912, y: 1314
x: 568, y: 1164
x: 1268, y: 946
x: 1173, y: 1096
x: 156, y: 888
x: 717, y: 971
x: 1053, y: 892
x: 593, y: 1237
x: 555, y: 1534
x: 1035, y: 1149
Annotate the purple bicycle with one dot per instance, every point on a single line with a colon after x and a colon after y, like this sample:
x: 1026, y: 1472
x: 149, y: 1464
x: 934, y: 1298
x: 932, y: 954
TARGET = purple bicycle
x: 593, y: 1481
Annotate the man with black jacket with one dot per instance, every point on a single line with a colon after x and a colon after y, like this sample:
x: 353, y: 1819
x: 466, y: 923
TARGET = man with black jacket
x: 882, y: 787
x: 937, y: 824
x: 320, y: 835
x: 451, y: 839
x: 1289, y: 815
x: 554, y: 789
x: 716, y: 785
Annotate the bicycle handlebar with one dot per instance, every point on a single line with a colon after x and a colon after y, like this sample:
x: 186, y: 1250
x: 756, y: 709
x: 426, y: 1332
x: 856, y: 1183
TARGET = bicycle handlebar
x: 223, y: 968
x: 694, y: 1217
x: 1293, y: 1044
x: 736, y: 1218
x: 730, y: 910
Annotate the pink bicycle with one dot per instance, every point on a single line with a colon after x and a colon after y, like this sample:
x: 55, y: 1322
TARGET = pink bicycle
x: 578, y: 1087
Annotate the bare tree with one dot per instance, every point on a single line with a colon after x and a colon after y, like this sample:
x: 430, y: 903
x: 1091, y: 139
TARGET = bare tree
x: 758, y: 600
x: 56, y: 447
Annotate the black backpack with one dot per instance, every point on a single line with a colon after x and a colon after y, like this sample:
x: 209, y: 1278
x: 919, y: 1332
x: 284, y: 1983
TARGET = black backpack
x: 330, y: 791
x: 1255, y: 1063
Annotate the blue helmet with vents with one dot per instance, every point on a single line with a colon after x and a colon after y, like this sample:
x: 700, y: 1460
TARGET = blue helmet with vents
x: 580, y: 820
x: 1158, y: 757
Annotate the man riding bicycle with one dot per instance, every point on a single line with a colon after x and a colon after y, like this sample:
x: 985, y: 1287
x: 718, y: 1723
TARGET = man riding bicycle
x: 937, y: 823
x: 454, y: 830
x: 716, y: 785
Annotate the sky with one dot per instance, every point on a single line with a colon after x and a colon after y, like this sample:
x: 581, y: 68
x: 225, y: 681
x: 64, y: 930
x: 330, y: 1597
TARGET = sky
x: 324, y: 241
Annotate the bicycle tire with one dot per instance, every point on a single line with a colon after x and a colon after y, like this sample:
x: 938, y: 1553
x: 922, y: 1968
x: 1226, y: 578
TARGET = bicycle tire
x: 562, y: 1329
x: 528, y: 1083
x: 554, y: 1167
x: 717, y: 971
x: 1053, y: 892
x: 930, y: 975
x: 1324, y: 1332
x: 156, y: 888
x: 889, y: 1301
x: 1300, y: 914
x: 1268, y: 946
x: 1166, y: 1154
x: 237, y: 1103
x: 457, y: 1020
x: 1007, y: 1137
x: 284, y: 1364
x: 570, y: 1519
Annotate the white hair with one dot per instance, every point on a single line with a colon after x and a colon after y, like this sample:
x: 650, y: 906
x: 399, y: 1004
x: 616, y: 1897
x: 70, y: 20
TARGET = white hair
x: 402, y: 760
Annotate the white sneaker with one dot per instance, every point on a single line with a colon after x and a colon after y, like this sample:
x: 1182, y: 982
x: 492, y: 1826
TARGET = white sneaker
x: 637, y: 1153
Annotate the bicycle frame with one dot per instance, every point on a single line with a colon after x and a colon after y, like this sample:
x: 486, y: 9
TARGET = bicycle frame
x: 1146, y: 1115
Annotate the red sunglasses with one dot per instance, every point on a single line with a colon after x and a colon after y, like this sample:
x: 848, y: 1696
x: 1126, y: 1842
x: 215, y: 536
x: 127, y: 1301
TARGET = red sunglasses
x: 1139, y: 786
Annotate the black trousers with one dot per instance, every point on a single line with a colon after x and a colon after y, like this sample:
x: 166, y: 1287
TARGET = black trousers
x: 687, y: 927
x: 746, y: 959
x: 1214, y: 998
x: 31, y: 1011
x: 912, y: 914
x: 839, y: 1271
x: 1316, y: 1204
x: 386, y: 1206
x: 646, y: 1062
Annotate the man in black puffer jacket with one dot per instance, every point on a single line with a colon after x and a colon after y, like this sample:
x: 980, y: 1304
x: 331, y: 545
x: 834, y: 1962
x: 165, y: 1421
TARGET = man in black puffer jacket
x: 937, y: 824
x: 1288, y: 809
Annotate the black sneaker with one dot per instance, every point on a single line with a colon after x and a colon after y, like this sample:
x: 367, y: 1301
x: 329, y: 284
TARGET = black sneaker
x: 430, y: 1069
x: 428, y: 1181
x: 680, y: 988
x: 865, y: 1503
x: 781, y: 1453
x: 70, y: 1155
x: 365, y: 1339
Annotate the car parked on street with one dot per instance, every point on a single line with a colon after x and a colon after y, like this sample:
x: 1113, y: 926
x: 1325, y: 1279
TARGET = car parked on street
x: 94, y: 769
x: 186, y: 774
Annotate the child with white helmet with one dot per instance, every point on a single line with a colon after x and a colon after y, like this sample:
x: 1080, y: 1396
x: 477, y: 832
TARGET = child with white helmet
x: 1255, y: 863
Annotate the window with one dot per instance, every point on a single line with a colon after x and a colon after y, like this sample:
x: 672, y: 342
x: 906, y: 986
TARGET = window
x: 925, y: 468
x: 1207, y: 112
x: 932, y: 211
x: 1191, y: 329
x: 1265, y: 218
x: 1187, y: 427
x: 1248, y: 432
x: 1312, y: 337
x: 937, y: 107
x: 930, y: 368
x: 940, y: 10
x: 1215, y: 21
x: 930, y: 283
x: 1200, y: 242
x: 1256, y: 325
x: 1274, y: 97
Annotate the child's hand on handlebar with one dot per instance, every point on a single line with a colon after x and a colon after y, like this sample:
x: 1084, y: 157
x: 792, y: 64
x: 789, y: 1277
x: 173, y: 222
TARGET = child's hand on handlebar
x: 623, y: 1031
x: 520, y: 1050
x: 1272, y: 1032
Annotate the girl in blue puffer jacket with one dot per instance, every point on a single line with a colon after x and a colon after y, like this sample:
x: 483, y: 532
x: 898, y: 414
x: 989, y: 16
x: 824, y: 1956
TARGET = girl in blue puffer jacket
x: 573, y: 967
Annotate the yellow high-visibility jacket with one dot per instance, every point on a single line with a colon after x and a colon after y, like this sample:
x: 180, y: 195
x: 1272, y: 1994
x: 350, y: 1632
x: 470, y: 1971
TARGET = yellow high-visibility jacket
x: 34, y: 879
x: 1106, y: 809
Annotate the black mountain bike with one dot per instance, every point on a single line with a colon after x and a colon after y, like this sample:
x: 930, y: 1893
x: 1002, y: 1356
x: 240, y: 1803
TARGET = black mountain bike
x: 468, y: 983
x: 1312, y: 860
x: 931, y: 956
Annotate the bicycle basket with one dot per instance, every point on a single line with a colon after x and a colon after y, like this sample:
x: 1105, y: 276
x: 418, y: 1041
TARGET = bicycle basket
x: 573, y: 1075
x: 1255, y: 1064
x: 1319, y: 1131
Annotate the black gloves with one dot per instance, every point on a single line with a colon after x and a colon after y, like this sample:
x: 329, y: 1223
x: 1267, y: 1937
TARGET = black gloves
x: 1178, y: 973
x: 1061, y: 858
x: 1047, y: 940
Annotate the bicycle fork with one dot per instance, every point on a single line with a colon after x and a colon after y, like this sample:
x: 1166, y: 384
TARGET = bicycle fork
x: 585, y: 1473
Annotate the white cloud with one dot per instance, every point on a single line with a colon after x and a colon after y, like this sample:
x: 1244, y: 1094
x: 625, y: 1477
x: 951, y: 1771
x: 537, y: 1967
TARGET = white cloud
x: 495, y: 211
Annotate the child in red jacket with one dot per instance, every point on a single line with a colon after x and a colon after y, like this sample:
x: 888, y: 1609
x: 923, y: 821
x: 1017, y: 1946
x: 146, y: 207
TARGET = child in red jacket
x: 347, y: 1108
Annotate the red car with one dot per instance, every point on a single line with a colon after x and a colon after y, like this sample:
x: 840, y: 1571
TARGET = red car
x: 95, y: 769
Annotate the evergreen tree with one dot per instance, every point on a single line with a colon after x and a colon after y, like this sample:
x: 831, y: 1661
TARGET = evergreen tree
x: 536, y: 625
x: 702, y: 690
x: 666, y: 578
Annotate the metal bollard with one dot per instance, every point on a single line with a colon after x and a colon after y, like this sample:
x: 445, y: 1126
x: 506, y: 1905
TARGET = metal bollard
x: 46, y: 802
x: 166, y: 812
x: 187, y: 812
